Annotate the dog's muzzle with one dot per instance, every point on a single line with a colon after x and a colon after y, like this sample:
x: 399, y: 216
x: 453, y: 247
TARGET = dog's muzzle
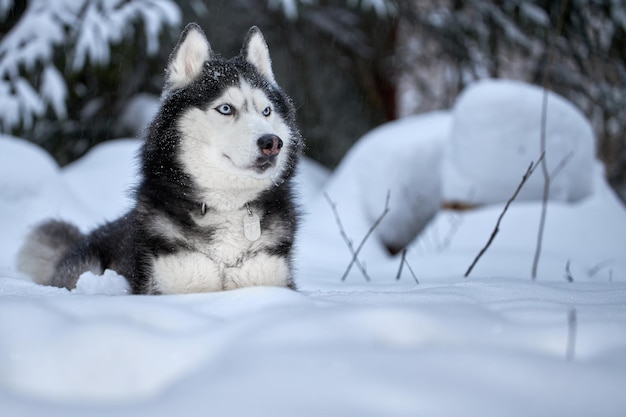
x: 270, y: 146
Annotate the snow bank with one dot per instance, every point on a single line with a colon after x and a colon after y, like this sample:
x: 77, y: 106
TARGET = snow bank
x: 497, y: 346
x: 496, y: 343
x: 112, y: 197
x: 403, y: 159
x: 31, y: 190
x: 400, y: 159
x: 496, y: 135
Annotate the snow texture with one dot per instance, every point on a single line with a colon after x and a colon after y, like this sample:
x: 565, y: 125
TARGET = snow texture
x: 496, y: 135
x: 409, y: 177
x: 493, y: 344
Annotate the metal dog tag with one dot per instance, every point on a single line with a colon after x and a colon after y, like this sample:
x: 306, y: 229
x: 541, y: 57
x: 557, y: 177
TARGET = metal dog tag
x: 252, y: 227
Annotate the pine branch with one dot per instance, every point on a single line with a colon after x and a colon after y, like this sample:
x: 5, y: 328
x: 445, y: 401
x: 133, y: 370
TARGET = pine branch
x: 529, y: 172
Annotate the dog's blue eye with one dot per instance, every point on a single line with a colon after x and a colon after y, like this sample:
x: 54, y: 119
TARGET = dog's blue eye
x: 267, y: 111
x: 225, y: 109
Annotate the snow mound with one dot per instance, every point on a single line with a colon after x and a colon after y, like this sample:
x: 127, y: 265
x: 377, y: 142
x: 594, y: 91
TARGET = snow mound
x: 399, y: 158
x: 405, y: 161
x: 17, y: 158
x: 496, y: 342
x: 112, y: 197
x: 109, y: 283
x: 311, y: 177
x: 496, y: 135
x: 30, y: 190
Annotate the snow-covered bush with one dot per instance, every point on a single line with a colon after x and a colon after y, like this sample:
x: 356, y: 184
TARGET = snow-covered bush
x: 495, y: 136
x: 444, y: 46
x: 400, y: 158
x: 50, y: 40
x: 290, y: 7
x: 403, y: 158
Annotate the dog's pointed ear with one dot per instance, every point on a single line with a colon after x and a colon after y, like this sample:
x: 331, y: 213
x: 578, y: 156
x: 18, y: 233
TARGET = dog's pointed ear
x: 257, y: 53
x: 187, y: 58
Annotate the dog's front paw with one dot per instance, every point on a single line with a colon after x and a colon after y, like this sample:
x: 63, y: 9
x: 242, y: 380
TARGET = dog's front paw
x: 261, y: 270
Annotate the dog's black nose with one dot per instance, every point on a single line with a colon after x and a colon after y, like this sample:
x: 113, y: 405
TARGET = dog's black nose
x: 270, y: 145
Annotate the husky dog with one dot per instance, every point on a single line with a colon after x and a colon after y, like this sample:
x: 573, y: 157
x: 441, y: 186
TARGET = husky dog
x: 214, y: 207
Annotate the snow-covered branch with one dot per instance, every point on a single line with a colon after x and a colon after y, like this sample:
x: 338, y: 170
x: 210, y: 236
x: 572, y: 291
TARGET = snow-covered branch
x: 32, y: 65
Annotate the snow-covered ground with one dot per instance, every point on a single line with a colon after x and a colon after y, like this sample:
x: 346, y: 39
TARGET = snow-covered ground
x: 493, y: 344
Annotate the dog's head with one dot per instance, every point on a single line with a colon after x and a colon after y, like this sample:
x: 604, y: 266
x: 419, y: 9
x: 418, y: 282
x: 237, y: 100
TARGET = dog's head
x: 227, y: 118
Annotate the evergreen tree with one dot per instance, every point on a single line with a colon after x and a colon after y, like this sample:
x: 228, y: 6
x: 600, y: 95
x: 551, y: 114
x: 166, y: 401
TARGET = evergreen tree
x: 68, y: 67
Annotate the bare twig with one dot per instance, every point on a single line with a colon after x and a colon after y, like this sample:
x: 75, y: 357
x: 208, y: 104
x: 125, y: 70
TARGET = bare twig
x: 399, y: 274
x: 408, y: 265
x: 572, y: 324
x: 599, y: 266
x: 367, y: 235
x: 402, y: 262
x: 557, y: 170
x: 455, y: 224
x: 546, y: 187
x: 529, y: 172
x: 345, y: 237
x: 544, y: 163
x: 568, y: 273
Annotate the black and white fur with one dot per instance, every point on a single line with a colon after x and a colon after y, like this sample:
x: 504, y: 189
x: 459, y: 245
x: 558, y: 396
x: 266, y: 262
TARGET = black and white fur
x: 221, y: 151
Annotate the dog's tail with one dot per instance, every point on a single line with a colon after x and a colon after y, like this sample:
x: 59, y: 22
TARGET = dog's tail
x: 45, y: 247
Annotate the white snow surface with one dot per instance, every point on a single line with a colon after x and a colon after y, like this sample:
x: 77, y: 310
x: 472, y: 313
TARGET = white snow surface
x: 496, y: 135
x: 410, y: 177
x: 493, y: 344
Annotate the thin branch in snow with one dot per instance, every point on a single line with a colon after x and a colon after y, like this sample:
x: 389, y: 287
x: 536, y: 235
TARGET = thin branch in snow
x: 529, y: 172
x: 599, y: 266
x: 346, y: 239
x: 367, y: 235
x: 402, y: 262
x: 544, y: 163
x: 355, y: 253
x: 408, y: 265
x: 455, y: 224
x: 572, y: 324
x: 399, y: 274
x: 568, y: 273
x: 557, y: 170
x: 546, y: 186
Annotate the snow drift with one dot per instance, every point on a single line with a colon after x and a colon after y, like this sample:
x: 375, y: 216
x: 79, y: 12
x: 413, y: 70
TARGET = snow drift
x: 496, y: 135
x: 495, y: 343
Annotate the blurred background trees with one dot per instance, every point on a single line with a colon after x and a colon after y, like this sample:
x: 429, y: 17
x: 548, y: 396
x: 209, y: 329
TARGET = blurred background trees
x: 70, y: 70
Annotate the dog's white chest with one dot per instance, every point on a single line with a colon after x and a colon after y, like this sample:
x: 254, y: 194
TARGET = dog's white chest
x: 234, y: 236
x: 232, y: 257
